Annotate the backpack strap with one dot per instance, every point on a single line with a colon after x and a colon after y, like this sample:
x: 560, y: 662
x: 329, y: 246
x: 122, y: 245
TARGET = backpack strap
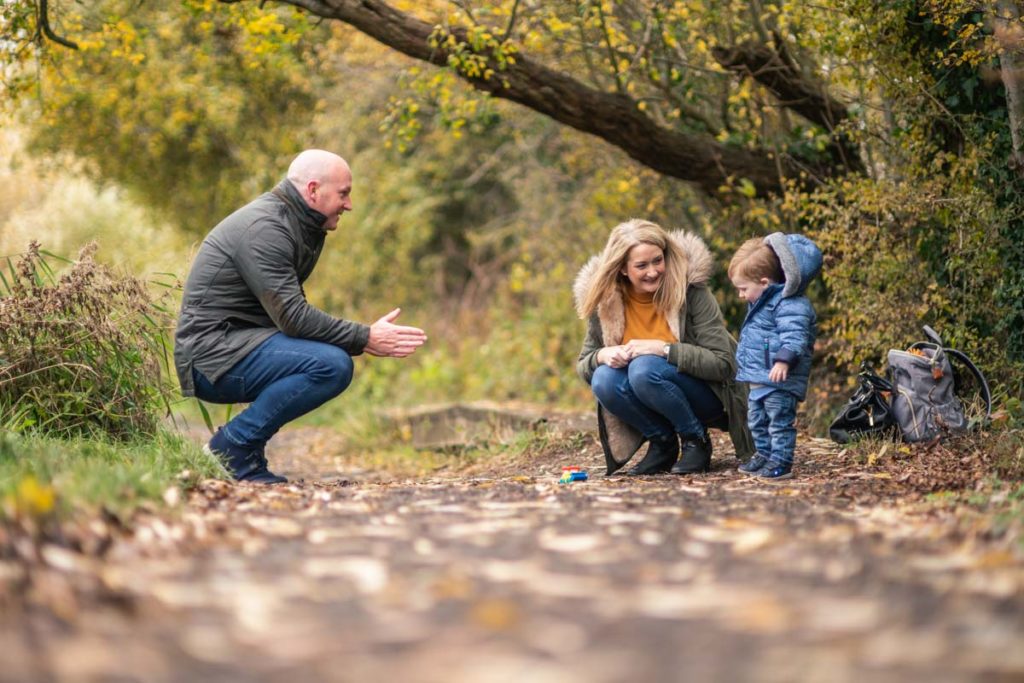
x: 933, y: 335
x: 985, y: 391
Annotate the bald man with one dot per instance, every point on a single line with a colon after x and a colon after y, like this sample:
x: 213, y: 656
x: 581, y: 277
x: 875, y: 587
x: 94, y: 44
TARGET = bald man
x: 246, y: 333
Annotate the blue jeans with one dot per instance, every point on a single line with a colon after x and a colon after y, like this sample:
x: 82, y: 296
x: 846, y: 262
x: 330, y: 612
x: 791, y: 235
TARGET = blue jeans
x: 771, y: 421
x: 280, y: 379
x: 657, y: 400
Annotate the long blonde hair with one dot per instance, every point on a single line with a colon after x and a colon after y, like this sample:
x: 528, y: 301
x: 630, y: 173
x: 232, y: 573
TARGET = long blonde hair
x: 608, y: 278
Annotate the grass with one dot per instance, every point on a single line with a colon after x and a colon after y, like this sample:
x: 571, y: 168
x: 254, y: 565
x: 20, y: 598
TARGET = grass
x: 42, y: 475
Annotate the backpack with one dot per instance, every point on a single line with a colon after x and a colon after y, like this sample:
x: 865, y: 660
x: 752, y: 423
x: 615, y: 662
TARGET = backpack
x: 925, y: 403
x: 918, y: 401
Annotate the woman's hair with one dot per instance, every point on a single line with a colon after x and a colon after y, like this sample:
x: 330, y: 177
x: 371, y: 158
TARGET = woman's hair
x: 671, y: 295
x: 755, y: 260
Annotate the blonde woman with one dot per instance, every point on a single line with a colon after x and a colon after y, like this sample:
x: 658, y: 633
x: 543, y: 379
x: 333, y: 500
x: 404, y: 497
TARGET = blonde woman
x: 657, y: 354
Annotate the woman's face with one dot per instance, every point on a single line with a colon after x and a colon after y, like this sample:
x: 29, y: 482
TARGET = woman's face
x: 645, y: 268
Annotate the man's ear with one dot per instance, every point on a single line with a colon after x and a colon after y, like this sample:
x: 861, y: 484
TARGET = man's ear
x: 765, y: 282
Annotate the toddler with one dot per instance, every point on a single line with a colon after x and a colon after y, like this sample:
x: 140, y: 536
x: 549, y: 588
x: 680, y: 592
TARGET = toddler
x: 774, y: 353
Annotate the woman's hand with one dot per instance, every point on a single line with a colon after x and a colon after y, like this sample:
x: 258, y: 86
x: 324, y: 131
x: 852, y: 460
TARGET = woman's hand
x: 645, y: 347
x: 614, y: 356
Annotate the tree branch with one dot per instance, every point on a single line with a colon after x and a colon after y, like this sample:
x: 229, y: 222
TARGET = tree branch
x: 43, y: 22
x: 613, y: 117
x: 794, y: 91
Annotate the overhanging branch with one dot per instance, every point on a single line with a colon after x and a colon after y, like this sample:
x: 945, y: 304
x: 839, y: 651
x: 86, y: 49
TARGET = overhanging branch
x: 613, y: 117
x: 43, y: 23
x: 779, y: 74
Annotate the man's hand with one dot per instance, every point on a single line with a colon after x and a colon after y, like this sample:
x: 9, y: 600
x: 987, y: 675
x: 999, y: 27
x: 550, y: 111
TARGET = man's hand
x: 779, y: 372
x: 614, y: 356
x: 395, y: 341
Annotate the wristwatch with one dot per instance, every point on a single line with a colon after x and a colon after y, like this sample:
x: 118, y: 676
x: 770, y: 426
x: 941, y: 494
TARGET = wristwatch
x: 665, y: 349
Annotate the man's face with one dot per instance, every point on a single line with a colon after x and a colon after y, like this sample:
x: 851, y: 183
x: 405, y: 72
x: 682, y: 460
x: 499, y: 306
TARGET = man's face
x: 333, y: 196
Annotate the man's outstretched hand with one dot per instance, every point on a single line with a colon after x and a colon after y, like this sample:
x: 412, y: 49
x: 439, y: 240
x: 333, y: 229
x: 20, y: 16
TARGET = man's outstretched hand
x: 395, y: 341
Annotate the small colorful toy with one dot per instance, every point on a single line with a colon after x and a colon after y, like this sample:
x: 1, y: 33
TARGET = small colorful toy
x: 571, y: 474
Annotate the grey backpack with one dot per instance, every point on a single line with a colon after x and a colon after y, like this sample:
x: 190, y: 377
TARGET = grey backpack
x: 924, y: 399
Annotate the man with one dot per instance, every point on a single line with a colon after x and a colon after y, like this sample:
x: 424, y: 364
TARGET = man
x: 246, y: 332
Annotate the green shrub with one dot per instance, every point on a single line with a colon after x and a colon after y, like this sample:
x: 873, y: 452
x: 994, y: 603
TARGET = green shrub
x: 82, y: 353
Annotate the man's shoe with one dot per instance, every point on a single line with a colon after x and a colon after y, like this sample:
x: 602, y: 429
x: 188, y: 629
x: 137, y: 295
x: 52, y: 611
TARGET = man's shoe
x: 661, y: 455
x: 754, y: 465
x: 264, y: 475
x: 775, y: 471
x: 696, y: 456
x: 241, y: 464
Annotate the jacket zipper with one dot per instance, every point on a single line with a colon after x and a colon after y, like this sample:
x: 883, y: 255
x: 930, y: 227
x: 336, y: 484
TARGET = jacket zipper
x: 767, y: 362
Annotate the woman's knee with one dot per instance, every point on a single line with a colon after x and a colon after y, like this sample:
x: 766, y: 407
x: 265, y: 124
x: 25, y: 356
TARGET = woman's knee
x: 645, y: 376
x: 605, y: 383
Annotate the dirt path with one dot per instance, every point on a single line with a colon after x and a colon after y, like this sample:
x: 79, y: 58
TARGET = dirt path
x: 499, y: 573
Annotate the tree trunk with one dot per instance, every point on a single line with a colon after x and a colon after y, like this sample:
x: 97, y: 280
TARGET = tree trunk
x: 1010, y: 35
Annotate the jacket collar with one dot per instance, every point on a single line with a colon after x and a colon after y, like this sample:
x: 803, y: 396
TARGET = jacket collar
x: 309, y: 218
x: 772, y: 291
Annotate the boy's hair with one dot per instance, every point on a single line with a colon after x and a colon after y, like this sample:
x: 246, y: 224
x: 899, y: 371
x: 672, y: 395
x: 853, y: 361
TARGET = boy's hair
x: 755, y: 260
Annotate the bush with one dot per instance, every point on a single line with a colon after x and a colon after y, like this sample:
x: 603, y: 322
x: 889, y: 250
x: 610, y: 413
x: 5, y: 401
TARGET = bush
x: 80, y: 355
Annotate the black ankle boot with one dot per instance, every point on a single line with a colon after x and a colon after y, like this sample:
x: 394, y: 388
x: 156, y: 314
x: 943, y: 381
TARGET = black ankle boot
x: 242, y: 464
x: 696, y: 456
x: 660, y: 456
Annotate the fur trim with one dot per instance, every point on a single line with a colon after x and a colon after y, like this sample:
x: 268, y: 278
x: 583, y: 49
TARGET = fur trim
x: 790, y: 268
x: 701, y: 262
x: 583, y: 278
x: 611, y: 312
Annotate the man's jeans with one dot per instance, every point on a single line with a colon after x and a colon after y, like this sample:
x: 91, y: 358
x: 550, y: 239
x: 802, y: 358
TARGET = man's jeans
x: 280, y: 379
x: 771, y: 421
x: 653, y: 397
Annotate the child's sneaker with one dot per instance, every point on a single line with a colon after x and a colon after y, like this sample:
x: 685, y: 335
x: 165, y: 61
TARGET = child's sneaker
x: 754, y: 465
x: 775, y: 471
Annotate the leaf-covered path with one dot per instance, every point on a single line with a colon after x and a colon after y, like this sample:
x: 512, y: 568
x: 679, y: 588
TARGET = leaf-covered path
x: 500, y: 573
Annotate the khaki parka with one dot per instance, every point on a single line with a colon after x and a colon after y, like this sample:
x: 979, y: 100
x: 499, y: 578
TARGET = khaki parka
x: 706, y: 350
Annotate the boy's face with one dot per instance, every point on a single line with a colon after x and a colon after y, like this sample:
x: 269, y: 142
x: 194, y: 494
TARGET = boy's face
x: 750, y: 290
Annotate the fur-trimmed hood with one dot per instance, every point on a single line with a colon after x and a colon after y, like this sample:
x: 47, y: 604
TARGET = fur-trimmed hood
x: 800, y: 259
x: 611, y: 311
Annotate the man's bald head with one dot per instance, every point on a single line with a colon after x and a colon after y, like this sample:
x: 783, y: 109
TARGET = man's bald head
x: 314, y: 164
x: 325, y: 182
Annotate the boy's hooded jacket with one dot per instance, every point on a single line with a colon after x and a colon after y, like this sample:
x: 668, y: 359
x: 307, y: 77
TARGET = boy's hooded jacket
x: 781, y: 325
x: 705, y: 350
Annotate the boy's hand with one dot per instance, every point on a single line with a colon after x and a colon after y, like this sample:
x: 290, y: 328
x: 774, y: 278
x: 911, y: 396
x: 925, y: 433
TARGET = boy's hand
x: 779, y: 372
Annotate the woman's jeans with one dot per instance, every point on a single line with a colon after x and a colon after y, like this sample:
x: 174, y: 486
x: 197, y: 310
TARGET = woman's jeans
x: 772, y: 421
x: 653, y: 397
x: 280, y: 379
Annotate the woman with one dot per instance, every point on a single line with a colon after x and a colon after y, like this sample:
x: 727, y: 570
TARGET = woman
x: 657, y: 354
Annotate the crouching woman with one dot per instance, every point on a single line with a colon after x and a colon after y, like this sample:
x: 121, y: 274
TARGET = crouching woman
x: 657, y: 354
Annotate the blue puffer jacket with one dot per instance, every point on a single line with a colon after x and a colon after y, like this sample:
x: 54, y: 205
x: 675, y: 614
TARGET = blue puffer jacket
x: 781, y: 324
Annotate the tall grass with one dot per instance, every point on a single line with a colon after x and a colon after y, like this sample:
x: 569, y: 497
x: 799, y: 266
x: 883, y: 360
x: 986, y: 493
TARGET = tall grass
x: 82, y: 353
x: 42, y: 475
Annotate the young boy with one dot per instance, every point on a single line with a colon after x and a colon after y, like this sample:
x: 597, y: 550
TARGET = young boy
x: 774, y: 353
